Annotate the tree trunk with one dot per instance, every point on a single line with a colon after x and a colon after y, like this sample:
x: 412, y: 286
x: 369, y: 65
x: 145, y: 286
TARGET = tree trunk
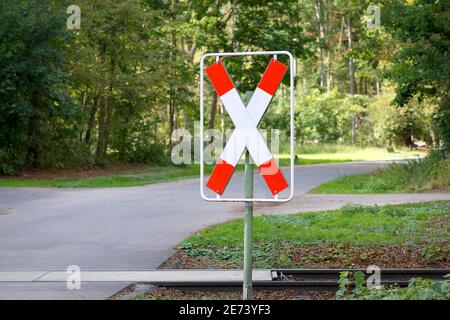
x: 433, y: 138
x: 101, y: 151
x: 329, y: 73
x: 171, y: 115
x: 329, y: 35
x: 100, y: 148
x: 222, y: 117
x: 189, y: 48
x: 33, y: 127
x: 341, y: 36
x: 105, y: 120
x: 320, y: 36
x: 351, y: 73
x: 108, y: 122
x: 378, y: 85
x: 351, y: 67
x: 173, y: 90
x: 87, y: 138
x: 212, y: 115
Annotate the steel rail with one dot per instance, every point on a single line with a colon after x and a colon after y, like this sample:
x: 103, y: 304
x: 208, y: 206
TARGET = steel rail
x: 322, y: 279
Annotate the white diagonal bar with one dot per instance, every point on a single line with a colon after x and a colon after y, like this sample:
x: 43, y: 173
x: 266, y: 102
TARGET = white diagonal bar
x: 246, y: 127
x: 256, y: 108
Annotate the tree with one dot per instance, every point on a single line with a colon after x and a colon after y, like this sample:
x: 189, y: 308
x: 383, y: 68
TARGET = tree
x: 420, y: 65
x: 118, y: 63
x: 37, y: 118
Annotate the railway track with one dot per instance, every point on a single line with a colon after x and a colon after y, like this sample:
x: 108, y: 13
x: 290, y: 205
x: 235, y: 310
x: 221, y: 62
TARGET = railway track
x: 319, y: 279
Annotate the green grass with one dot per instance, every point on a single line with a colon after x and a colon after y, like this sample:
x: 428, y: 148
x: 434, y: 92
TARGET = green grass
x: 123, y: 178
x: 334, y: 153
x: 350, y: 224
x: 429, y: 174
x: 129, y: 177
x: 338, y: 152
x: 358, y: 225
x: 154, y: 174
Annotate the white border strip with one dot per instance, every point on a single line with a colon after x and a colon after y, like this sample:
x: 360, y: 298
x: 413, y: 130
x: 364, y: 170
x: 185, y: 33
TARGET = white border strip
x: 166, y: 276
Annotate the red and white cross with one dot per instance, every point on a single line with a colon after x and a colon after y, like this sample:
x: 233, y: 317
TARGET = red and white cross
x: 246, y: 134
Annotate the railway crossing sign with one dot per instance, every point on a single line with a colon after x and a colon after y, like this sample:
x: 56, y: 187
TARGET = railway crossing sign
x: 246, y: 118
x: 246, y: 134
x: 246, y: 137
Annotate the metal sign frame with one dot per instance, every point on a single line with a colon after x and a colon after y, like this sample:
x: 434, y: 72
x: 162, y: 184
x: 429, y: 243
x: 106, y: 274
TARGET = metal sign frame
x: 292, y: 133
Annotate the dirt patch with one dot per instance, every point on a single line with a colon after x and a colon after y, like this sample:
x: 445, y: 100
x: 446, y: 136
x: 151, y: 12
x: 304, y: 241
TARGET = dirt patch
x: 334, y: 256
x: 439, y: 224
x: 163, y: 293
x: 384, y: 256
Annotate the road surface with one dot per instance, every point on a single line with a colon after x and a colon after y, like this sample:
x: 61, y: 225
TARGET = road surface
x: 116, y: 228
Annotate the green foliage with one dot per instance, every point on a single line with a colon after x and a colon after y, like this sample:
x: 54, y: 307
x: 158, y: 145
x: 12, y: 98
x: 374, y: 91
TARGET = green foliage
x: 320, y: 118
x: 418, y: 289
x: 136, y: 143
x: 116, y: 89
x: 430, y: 173
x: 326, y: 118
x: 344, y: 282
x: 395, y: 126
x: 420, y: 67
x: 37, y: 118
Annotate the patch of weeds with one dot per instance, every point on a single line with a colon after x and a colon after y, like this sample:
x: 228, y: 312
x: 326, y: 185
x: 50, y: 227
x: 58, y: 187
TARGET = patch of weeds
x: 418, y: 289
x: 431, y: 253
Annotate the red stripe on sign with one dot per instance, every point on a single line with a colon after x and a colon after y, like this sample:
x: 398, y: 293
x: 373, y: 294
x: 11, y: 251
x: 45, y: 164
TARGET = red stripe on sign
x: 219, y: 78
x: 220, y: 176
x: 272, y: 77
x: 273, y: 176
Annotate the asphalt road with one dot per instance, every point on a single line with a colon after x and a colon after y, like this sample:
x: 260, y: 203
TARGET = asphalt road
x: 116, y: 228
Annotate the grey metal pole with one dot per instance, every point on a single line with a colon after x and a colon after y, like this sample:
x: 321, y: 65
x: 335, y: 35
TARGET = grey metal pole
x: 248, y: 230
x: 248, y: 224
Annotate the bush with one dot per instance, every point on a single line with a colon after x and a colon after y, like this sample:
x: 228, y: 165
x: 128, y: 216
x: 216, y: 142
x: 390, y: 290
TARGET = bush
x: 136, y: 143
x: 430, y: 173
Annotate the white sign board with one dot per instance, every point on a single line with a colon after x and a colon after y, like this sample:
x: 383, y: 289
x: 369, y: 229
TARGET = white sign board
x: 246, y: 119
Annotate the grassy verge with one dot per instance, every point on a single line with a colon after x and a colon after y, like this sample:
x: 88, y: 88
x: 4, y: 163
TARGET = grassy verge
x: 143, y: 175
x: 408, y: 236
x: 429, y: 174
x: 115, y: 178
x: 337, y: 153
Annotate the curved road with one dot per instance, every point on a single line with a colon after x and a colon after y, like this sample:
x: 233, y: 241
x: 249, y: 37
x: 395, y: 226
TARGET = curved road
x: 116, y: 228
